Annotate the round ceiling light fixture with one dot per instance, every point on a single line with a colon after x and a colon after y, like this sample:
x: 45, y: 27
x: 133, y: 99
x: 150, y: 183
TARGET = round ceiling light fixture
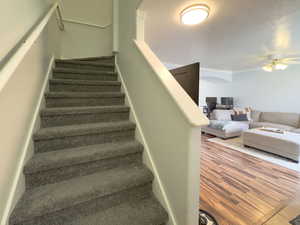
x: 194, y: 14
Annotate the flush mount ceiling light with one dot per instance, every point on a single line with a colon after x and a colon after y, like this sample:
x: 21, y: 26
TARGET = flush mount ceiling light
x: 194, y: 14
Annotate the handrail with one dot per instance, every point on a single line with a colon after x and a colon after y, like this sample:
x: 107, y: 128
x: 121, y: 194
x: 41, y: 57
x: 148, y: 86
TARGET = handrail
x: 11, y: 61
x: 86, y: 23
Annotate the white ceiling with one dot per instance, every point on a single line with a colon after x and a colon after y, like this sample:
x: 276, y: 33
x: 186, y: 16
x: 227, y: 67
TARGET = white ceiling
x: 235, y: 34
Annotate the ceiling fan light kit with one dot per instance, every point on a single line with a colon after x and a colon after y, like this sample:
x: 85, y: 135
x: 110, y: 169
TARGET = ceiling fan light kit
x: 274, y: 66
x: 278, y: 63
x: 281, y: 66
x: 268, y: 68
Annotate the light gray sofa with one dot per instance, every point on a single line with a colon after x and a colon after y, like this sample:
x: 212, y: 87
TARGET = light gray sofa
x: 286, y: 121
x: 231, y: 129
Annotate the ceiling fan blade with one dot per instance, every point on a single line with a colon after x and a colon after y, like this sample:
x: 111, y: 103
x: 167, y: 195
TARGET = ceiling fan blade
x: 273, y: 56
x: 264, y: 57
x: 293, y: 62
x: 255, y: 60
x: 292, y: 59
x: 289, y: 60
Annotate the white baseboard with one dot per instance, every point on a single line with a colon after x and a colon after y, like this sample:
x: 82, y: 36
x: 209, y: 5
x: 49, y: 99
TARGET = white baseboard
x: 26, y: 147
x: 158, y: 187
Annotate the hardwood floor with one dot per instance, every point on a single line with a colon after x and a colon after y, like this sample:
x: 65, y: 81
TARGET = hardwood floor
x: 239, y: 189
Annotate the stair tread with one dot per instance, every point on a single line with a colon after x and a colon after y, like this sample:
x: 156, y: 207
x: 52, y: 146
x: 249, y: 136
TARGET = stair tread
x: 89, y: 58
x: 53, y: 197
x: 76, y: 62
x: 143, y: 212
x: 82, y: 129
x: 85, y: 82
x: 83, y: 71
x: 73, y: 156
x: 84, y: 94
x: 83, y: 110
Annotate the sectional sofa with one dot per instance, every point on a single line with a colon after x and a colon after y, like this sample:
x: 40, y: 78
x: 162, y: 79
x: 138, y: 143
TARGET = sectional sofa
x: 222, y: 125
x: 285, y: 144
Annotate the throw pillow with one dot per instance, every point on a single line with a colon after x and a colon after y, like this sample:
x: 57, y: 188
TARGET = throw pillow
x: 246, y: 110
x: 239, y: 117
x: 224, y: 115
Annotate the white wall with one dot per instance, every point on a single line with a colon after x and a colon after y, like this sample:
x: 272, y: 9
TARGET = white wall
x: 171, y: 66
x: 214, y: 83
x: 17, y: 17
x: 278, y: 91
x: 18, y: 99
x: 54, y: 37
x: 214, y: 88
x: 85, y: 41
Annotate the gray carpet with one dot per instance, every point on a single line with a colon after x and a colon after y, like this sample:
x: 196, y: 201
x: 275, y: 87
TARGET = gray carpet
x: 87, y: 167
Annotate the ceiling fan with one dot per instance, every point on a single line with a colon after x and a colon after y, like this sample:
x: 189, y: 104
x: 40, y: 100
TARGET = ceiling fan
x: 277, y: 62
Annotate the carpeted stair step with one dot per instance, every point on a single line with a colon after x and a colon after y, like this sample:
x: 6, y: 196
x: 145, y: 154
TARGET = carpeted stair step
x: 103, y: 59
x: 146, y: 211
x: 87, y: 168
x: 51, y: 117
x: 68, y: 85
x: 83, y: 74
x: 80, y: 196
x: 84, y: 65
x: 56, y: 138
x: 67, y: 99
x: 55, y: 166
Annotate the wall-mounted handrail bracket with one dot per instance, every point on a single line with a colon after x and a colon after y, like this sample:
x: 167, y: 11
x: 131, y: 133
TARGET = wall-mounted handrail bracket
x: 59, y: 18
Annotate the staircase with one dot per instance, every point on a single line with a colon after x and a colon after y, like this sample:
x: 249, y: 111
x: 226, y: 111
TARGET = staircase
x: 87, y: 168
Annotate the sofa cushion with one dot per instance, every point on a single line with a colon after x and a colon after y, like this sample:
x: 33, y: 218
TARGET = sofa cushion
x: 224, y: 115
x: 296, y: 131
x: 255, y: 115
x: 272, y: 125
x: 231, y: 129
x: 239, y: 117
x: 289, y: 119
x: 236, y: 126
x: 218, y: 124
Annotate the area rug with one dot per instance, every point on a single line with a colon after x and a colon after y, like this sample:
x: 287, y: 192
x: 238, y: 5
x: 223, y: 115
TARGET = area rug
x: 296, y: 221
x: 237, y: 144
x: 206, y: 219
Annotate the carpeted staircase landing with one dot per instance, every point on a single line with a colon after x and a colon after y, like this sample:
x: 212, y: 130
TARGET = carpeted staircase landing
x: 87, y: 168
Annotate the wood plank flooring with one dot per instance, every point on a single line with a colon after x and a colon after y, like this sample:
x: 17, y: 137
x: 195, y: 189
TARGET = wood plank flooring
x: 239, y: 189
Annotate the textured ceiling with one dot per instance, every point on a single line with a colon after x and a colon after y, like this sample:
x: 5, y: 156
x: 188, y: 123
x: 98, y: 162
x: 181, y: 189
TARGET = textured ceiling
x: 236, y: 33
